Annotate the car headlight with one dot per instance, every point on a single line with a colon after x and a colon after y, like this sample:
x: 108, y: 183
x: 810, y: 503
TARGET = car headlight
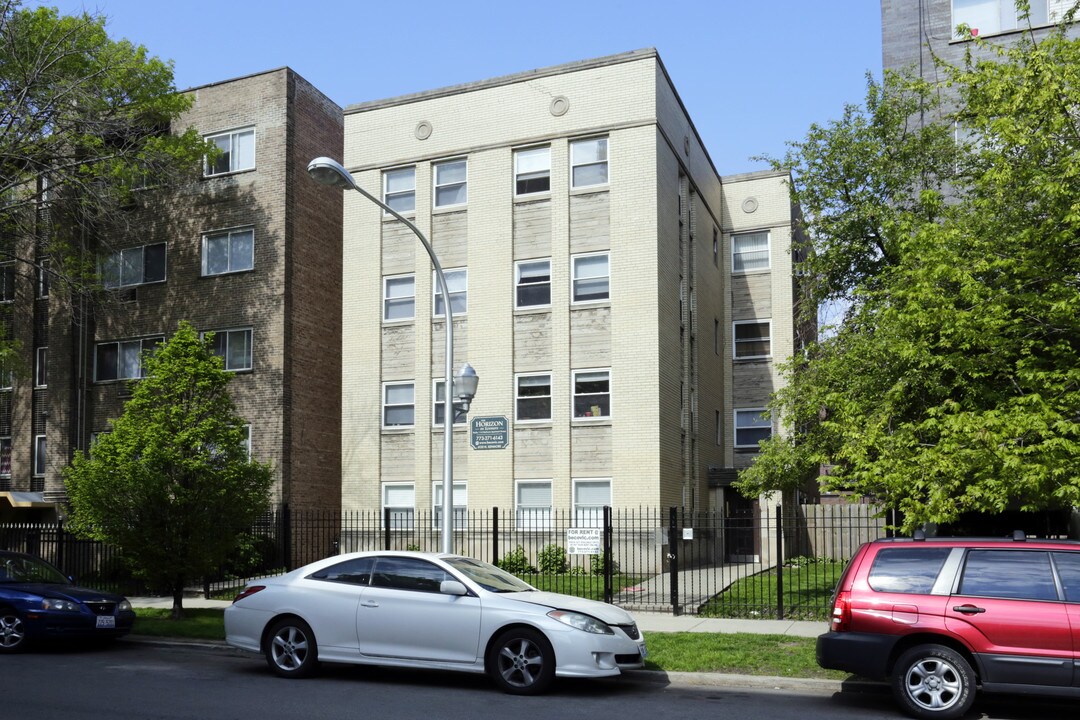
x: 57, y: 604
x: 579, y: 621
x: 123, y: 606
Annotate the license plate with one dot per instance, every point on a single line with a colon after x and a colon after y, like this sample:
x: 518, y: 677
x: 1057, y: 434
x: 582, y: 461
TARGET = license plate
x: 106, y: 621
x: 644, y: 652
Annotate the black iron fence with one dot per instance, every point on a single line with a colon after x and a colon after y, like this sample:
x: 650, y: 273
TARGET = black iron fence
x: 771, y: 563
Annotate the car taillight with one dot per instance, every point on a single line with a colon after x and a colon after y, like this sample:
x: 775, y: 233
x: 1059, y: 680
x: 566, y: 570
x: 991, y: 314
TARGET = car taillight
x: 248, y: 591
x: 841, y: 612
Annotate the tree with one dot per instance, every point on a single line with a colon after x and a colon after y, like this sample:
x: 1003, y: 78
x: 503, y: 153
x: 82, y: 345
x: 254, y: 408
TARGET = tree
x: 84, y: 124
x: 953, y: 384
x: 171, y: 485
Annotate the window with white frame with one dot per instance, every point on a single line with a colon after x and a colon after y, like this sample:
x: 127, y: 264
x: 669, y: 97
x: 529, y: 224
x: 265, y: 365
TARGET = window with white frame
x: 41, y: 367
x: 399, y: 404
x: 122, y: 359
x: 752, y: 425
x: 5, y: 457
x: 753, y: 339
x: 234, y: 346
x: 399, y: 297
x: 533, y: 505
x: 987, y: 17
x: 532, y: 283
x: 590, y: 497
x: 591, y: 278
x: 750, y: 251
x: 228, y: 251
x: 236, y: 151
x: 589, y: 162
x: 44, y: 272
x: 399, y: 189
x: 451, y: 183
x: 460, y: 500
x: 592, y: 394
x: 533, y: 394
x: 532, y: 171
x: 39, y: 455
x: 438, y: 409
x: 400, y: 500
x: 133, y: 266
x: 245, y: 441
x: 7, y: 282
x: 457, y: 283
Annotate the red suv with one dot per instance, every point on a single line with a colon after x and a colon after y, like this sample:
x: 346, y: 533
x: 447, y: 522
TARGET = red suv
x: 937, y: 617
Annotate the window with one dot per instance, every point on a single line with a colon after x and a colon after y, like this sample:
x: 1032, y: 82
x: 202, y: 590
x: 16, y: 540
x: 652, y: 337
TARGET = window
x: 399, y: 189
x: 122, y: 360
x: 407, y: 573
x: 351, y: 572
x: 39, y: 455
x: 245, y: 441
x: 588, y: 162
x: 237, y: 151
x: 533, y: 505
x: 987, y: 17
x: 532, y: 283
x: 399, y: 298
x: 7, y: 282
x: 1068, y: 567
x: 1008, y: 574
x: 907, y: 570
x: 461, y: 504
x: 533, y: 395
x: 5, y: 457
x: 457, y: 281
x: 438, y: 410
x: 750, y: 251
x: 716, y: 247
x: 592, y: 393
x: 234, y: 347
x: 41, y: 367
x: 228, y: 251
x: 591, y: 278
x: 752, y: 425
x: 399, y: 406
x: 590, y: 498
x: 43, y: 273
x: 133, y: 266
x: 752, y: 339
x: 451, y: 183
x: 532, y: 171
x: 400, y: 500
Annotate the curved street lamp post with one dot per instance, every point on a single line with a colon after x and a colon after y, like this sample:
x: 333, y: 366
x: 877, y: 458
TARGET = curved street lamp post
x: 330, y: 172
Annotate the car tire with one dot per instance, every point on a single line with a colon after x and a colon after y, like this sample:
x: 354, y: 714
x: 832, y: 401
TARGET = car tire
x: 933, y: 681
x: 291, y: 650
x: 12, y: 631
x: 521, y: 661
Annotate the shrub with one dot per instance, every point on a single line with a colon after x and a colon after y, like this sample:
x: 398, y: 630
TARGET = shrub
x: 553, y: 560
x: 516, y: 562
x: 596, y: 565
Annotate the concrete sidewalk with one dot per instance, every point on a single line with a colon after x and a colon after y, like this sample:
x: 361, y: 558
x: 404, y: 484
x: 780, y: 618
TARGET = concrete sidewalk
x: 647, y: 621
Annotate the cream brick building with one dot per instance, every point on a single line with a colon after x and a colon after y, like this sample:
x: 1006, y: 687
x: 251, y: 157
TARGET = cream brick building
x: 624, y: 305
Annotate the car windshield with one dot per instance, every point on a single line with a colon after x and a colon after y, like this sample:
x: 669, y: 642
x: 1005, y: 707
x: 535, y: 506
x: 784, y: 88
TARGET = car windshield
x: 487, y: 576
x: 18, y: 569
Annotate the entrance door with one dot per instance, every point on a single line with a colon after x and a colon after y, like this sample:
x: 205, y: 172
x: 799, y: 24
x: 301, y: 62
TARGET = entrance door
x: 741, y: 538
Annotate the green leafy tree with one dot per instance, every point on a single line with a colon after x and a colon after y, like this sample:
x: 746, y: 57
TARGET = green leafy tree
x: 953, y: 384
x: 84, y: 123
x: 171, y: 485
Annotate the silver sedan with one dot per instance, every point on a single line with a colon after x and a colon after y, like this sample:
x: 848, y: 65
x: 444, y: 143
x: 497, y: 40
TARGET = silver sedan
x: 423, y: 610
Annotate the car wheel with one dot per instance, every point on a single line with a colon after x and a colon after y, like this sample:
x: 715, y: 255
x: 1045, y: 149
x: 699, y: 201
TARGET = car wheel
x: 290, y: 648
x: 522, y: 662
x: 12, y: 632
x: 934, y: 681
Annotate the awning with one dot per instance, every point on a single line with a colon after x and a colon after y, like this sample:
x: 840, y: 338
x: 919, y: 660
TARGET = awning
x: 25, y: 499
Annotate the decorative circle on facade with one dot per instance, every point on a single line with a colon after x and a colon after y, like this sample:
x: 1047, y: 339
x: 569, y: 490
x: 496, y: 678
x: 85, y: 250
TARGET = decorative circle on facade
x: 559, y: 105
x: 749, y: 205
x: 423, y: 130
x: 686, y: 145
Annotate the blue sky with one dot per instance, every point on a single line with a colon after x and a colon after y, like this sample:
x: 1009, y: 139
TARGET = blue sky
x: 753, y: 75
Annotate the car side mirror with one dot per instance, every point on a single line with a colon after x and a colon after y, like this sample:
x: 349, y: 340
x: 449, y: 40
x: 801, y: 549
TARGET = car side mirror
x: 453, y: 587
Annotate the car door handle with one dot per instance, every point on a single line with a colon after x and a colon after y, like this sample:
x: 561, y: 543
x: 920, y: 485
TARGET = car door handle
x: 969, y: 609
x: 369, y: 603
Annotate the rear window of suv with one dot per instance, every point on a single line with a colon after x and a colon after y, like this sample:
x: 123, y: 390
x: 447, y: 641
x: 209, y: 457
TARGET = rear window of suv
x: 907, y: 569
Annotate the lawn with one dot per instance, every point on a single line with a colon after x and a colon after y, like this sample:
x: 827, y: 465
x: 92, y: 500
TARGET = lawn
x: 808, y: 588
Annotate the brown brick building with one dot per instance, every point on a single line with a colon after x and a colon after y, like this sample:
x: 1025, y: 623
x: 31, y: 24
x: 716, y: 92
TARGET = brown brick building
x: 252, y: 252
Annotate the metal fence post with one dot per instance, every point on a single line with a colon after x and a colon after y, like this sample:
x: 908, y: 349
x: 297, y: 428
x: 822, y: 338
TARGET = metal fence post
x: 673, y: 557
x: 494, y: 534
x: 609, y: 581
x: 779, y: 562
x: 286, y: 536
x: 386, y: 528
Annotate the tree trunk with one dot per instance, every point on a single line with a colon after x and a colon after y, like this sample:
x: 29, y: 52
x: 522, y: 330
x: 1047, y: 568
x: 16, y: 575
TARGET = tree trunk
x: 178, y: 600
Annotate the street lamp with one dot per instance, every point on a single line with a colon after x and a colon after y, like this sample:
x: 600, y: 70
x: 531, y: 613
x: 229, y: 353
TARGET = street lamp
x: 330, y: 172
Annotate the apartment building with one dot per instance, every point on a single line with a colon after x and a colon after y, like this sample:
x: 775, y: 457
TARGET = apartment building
x: 251, y: 252
x: 624, y: 305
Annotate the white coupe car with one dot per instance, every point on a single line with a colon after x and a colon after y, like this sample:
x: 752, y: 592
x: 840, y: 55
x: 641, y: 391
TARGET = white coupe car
x: 423, y: 610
